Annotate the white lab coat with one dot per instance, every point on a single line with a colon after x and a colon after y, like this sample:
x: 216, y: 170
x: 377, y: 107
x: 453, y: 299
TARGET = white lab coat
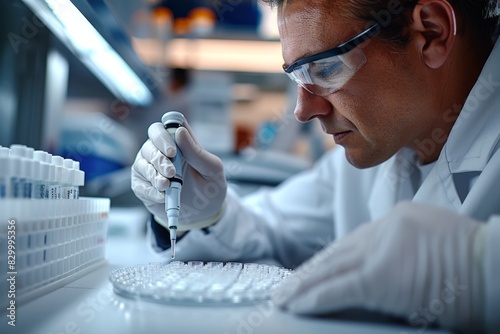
x: 293, y: 221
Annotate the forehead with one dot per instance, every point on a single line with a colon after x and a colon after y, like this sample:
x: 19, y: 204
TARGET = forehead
x: 308, y: 26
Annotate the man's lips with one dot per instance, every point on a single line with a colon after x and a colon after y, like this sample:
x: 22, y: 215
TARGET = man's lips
x: 339, y: 136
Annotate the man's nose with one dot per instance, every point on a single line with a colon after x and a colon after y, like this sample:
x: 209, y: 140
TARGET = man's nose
x: 310, y: 106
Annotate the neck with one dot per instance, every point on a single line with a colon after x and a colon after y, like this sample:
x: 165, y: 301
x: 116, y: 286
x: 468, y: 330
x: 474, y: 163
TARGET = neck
x: 456, y: 81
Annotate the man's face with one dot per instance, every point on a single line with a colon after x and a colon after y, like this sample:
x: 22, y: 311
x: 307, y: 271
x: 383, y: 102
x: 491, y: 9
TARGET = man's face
x: 386, y: 105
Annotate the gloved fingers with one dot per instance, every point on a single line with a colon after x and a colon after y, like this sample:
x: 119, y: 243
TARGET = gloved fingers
x: 341, y: 258
x: 335, y: 260
x: 191, y: 134
x: 330, y: 295
x: 145, y: 191
x: 162, y: 139
x: 156, y: 158
x: 143, y: 170
x: 200, y: 159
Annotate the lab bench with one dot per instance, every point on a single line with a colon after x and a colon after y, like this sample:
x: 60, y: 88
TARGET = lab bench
x: 89, y: 305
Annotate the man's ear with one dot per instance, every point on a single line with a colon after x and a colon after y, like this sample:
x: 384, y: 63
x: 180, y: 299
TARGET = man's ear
x: 434, y: 29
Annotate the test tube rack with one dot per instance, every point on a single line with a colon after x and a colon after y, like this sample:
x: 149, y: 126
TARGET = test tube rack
x: 46, y: 244
x: 49, y: 235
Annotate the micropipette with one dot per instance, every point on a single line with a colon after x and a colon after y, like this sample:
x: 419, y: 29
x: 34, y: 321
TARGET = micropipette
x: 171, y: 121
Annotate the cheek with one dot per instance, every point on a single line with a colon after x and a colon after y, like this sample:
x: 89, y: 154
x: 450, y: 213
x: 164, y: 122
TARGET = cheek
x: 368, y: 112
x: 383, y: 99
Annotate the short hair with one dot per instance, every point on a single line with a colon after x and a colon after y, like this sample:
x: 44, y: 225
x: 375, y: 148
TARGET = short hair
x: 479, y: 17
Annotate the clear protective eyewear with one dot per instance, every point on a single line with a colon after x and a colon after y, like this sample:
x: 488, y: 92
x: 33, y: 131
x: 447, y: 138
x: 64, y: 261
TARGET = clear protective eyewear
x: 325, y: 72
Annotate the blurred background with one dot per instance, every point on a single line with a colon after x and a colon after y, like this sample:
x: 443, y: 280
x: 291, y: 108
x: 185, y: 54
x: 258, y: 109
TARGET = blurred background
x: 85, y: 78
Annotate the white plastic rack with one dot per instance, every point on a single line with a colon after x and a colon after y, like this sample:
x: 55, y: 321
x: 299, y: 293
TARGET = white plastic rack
x: 46, y: 240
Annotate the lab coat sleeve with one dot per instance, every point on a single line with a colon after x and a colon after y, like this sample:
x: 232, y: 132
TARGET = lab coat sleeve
x: 287, y: 224
x: 491, y: 274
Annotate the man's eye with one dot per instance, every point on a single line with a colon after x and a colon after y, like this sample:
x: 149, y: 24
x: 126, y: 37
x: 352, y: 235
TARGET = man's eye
x: 327, y: 71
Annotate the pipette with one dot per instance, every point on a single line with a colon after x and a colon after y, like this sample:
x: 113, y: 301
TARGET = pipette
x: 171, y: 121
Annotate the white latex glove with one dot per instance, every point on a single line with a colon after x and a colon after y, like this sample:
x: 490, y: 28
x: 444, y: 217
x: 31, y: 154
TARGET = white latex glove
x: 417, y: 263
x: 204, y: 187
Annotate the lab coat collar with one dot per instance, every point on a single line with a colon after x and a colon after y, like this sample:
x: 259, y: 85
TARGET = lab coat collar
x: 475, y: 134
x: 471, y: 144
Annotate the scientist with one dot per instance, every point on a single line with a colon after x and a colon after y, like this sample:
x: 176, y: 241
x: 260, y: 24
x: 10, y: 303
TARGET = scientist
x: 410, y: 91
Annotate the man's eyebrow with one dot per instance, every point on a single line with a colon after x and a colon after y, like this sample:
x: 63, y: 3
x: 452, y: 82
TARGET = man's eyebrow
x: 285, y: 65
x: 308, y: 54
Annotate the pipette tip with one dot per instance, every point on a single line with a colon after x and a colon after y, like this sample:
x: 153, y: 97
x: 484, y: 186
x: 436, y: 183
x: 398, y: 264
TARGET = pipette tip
x: 172, y: 248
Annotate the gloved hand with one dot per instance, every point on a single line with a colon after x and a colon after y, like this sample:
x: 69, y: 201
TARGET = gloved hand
x: 204, y: 187
x: 418, y: 262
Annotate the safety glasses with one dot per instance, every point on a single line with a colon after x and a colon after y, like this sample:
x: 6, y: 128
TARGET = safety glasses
x: 325, y: 72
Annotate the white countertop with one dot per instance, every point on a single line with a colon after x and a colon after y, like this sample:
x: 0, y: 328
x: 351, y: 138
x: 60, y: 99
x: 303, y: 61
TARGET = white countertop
x: 89, y: 305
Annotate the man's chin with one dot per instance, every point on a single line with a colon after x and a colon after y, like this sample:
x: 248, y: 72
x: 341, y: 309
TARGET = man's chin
x: 362, y: 160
